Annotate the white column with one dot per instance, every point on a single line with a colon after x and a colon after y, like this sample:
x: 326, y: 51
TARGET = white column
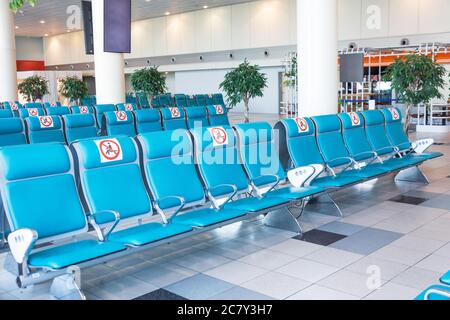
x: 317, y: 47
x: 8, y: 68
x: 109, y: 67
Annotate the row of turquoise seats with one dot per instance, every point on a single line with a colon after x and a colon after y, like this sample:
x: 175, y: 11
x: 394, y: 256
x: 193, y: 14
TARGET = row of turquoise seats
x: 437, y: 291
x: 169, y: 170
x: 352, y: 146
x: 183, y: 101
x: 18, y: 105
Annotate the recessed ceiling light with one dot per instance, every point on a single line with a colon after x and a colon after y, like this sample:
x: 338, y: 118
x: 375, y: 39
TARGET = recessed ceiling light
x: 148, y: 0
x: 68, y: 30
x: 46, y: 35
x: 167, y: 13
x: 205, y: 7
x: 17, y: 27
x: 42, y: 21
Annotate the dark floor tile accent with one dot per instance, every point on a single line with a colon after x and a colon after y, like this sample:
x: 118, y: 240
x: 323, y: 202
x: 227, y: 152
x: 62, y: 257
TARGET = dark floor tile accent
x: 160, y: 294
x: 407, y: 199
x: 320, y: 237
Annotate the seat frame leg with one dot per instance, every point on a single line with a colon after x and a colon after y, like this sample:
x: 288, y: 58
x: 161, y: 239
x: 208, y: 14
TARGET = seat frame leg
x: 283, y: 219
x: 68, y: 285
x: 413, y: 174
x: 325, y: 204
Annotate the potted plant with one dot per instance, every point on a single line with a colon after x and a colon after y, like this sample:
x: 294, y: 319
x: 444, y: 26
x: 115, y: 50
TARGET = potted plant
x: 33, y: 88
x: 416, y: 79
x: 149, y: 81
x: 242, y: 84
x: 17, y: 4
x: 74, y: 89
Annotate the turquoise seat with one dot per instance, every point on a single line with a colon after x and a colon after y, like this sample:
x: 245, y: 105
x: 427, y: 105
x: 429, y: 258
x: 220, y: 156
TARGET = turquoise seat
x: 200, y: 100
x: 126, y: 107
x: 299, y: 148
x: 218, y: 115
x: 445, y: 279
x: 12, y: 105
x: 191, y: 101
x: 169, y: 167
x: 103, y: 176
x: 82, y: 110
x: 52, y: 105
x: 31, y: 112
x: 173, y: 118
x: 57, y: 111
x: 218, y: 99
x: 166, y: 101
x: 210, y: 99
x: 196, y: 116
x: 79, y: 126
x: 442, y: 294
x: 12, y: 132
x: 118, y: 123
x: 398, y: 137
x: 45, y: 129
x: 142, y: 100
x: 180, y: 101
x: 6, y: 113
x: 261, y: 162
x: 148, y: 120
x: 220, y: 168
x: 34, y: 105
x: 28, y: 175
x: 99, y: 110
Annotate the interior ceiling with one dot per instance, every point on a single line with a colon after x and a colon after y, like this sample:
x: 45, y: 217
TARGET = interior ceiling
x: 54, y: 13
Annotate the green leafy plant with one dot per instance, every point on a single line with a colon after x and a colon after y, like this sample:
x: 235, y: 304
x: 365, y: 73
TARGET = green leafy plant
x: 73, y: 88
x: 291, y: 73
x: 149, y: 81
x: 242, y: 84
x: 416, y: 79
x: 17, y: 4
x: 33, y: 88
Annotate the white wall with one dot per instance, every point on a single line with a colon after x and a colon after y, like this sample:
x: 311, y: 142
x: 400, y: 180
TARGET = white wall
x: 29, y: 48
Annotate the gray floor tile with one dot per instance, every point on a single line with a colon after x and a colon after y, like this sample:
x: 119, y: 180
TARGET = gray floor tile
x: 417, y: 278
x: 199, y: 287
x: 343, y: 228
x: 317, y: 292
x: 235, y: 272
x: 239, y: 293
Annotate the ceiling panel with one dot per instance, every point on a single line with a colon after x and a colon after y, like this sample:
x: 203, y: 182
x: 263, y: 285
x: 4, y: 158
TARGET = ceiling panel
x: 54, y: 13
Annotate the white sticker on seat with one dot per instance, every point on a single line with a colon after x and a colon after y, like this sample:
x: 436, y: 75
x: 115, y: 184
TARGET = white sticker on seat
x: 121, y: 116
x: 219, y: 109
x: 356, y: 121
x: 46, y: 122
x: 174, y: 112
x: 84, y: 110
x: 302, y: 125
x: 129, y: 107
x: 219, y: 136
x: 394, y: 113
x: 109, y: 150
x: 13, y: 106
x: 33, y: 112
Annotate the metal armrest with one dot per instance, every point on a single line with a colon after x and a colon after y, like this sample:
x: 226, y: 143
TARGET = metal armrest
x: 318, y: 169
x: 420, y: 146
x: 21, y: 242
x: 396, y: 150
x: 298, y: 176
x: 214, y: 200
x: 276, y: 183
x: 177, y: 210
x: 373, y: 153
x: 100, y: 219
x: 442, y: 292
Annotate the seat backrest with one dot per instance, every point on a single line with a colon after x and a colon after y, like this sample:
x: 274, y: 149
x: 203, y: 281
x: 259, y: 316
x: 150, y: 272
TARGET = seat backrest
x: 201, y: 100
x: 218, y: 116
x: 110, y: 176
x: 12, y: 132
x: 31, y: 112
x: 148, y: 120
x: 88, y: 101
x: 82, y: 110
x: 52, y: 104
x: 100, y: 109
x: 395, y: 130
x: 142, y: 100
x: 301, y: 142
x: 118, y: 123
x: 155, y: 102
x: 6, y: 113
x: 57, y: 111
x: 196, y: 116
x: 165, y: 101
x: 209, y: 99
x: 33, y: 105
x: 355, y: 135
x: 170, y: 169
x: 44, y: 129
x: 258, y: 153
x: 218, y: 99
x: 180, y: 101
x: 39, y: 191
x: 79, y: 126
x: 191, y: 101
x: 173, y: 118
x: 218, y: 161
x: 126, y: 107
x: 376, y: 132
x: 330, y: 140
x: 13, y: 106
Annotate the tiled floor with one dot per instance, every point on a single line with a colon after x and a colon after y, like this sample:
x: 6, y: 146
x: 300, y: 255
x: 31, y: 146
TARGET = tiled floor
x: 392, y: 242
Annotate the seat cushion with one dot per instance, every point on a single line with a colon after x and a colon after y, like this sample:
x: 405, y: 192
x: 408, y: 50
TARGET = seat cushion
x: 148, y: 233
x: 434, y: 296
x: 445, y: 279
x: 253, y: 204
x: 292, y: 193
x: 372, y: 170
x: 427, y: 155
x: 402, y: 163
x: 207, y: 217
x: 73, y: 253
x: 341, y: 180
